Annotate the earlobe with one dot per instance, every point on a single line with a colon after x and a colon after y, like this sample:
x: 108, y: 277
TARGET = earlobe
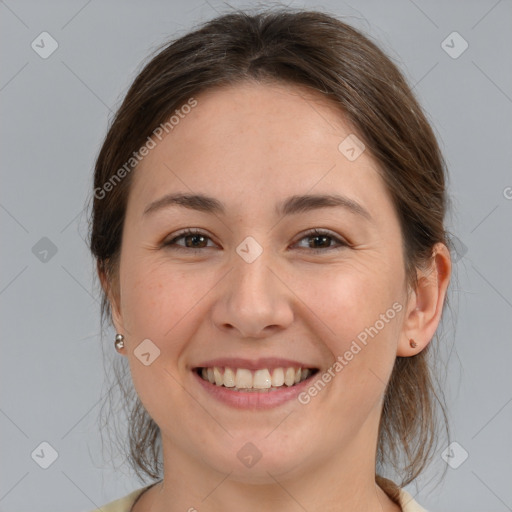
x: 426, y: 304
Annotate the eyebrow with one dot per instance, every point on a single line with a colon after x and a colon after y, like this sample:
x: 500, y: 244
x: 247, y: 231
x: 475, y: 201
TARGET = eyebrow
x: 292, y: 205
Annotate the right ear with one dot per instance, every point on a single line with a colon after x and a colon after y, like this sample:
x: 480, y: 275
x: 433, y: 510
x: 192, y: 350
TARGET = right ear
x: 113, y: 298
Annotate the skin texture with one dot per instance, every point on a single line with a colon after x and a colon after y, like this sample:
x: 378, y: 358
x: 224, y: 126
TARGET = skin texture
x: 252, y: 146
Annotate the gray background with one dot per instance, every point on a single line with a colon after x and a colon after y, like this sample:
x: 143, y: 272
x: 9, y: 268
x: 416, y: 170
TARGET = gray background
x: 54, y: 114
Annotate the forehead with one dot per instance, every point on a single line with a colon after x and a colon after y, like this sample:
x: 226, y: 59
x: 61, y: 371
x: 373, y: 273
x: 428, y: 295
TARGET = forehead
x: 277, y: 116
x: 258, y: 142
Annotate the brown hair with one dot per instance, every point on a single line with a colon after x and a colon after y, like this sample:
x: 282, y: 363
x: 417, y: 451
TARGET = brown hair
x: 315, y: 50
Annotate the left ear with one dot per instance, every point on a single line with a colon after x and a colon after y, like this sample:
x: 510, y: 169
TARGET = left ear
x: 425, y: 304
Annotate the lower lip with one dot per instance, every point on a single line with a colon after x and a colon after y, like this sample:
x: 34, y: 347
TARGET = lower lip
x: 253, y: 399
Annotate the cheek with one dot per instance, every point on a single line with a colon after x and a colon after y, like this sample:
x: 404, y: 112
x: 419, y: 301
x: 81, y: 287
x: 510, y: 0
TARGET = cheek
x: 155, y: 302
x: 155, y: 298
x: 357, y: 315
x: 349, y: 298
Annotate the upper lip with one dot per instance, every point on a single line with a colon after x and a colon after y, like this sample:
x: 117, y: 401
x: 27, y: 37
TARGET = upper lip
x: 251, y: 364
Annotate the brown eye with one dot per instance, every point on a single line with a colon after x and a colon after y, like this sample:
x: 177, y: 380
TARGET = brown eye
x: 192, y: 240
x: 320, y: 240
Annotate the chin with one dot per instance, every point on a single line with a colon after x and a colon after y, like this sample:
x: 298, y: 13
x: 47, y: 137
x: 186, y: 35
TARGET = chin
x: 259, y: 462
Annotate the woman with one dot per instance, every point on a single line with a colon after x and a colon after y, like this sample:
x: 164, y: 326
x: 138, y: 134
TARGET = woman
x: 268, y: 229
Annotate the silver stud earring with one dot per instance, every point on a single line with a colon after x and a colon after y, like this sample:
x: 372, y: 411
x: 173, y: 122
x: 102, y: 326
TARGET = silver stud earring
x: 119, y: 343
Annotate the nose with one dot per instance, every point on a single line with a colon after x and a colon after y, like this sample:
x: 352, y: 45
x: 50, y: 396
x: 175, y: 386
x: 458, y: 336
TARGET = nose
x: 253, y: 299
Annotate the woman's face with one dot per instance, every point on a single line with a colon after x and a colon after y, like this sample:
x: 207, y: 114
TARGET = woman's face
x: 256, y: 290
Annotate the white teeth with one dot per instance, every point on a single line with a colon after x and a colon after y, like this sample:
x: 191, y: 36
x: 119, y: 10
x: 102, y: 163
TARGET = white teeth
x: 244, y: 379
x: 278, y: 377
x: 289, y: 377
x: 262, y: 379
x: 228, y: 378
x: 218, y: 376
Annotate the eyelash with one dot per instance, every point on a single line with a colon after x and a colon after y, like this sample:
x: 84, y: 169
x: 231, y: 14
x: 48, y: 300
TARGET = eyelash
x: 309, y: 234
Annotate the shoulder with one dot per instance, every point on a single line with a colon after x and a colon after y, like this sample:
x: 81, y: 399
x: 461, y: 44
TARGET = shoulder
x: 408, y: 503
x: 123, y: 504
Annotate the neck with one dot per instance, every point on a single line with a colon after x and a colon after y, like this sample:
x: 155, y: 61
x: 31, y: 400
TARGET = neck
x: 172, y: 495
x: 341, y: 482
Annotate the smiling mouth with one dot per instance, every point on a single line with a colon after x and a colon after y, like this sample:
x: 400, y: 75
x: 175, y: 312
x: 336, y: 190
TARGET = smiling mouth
x: 262, y: 380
